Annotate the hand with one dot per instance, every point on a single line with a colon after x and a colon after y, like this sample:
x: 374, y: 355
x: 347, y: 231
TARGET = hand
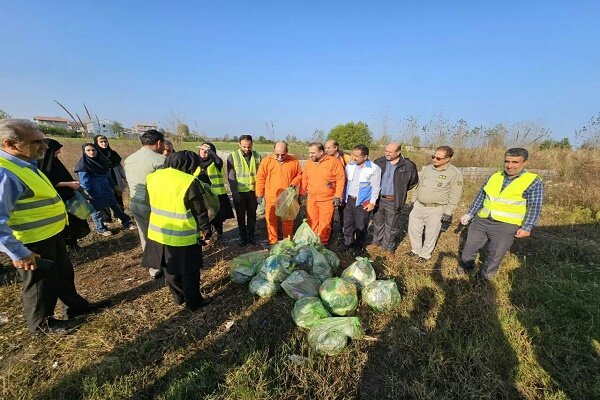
x: 260, y: 200
x: 465, y: 219
x: 369, y: 207
x: 447, y: 219
x: 73, y: 185
x: 27, y: 263
x: 301, y: 198
x: 337, y: 202
x: 522, y: 233
x: 293, y: 186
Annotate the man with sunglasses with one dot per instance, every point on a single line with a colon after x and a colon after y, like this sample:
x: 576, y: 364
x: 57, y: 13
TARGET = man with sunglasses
x: 275, y: 174
x: 434, y: 201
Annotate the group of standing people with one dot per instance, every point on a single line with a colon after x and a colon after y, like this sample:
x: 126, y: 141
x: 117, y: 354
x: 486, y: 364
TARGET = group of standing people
x: 168, y: 192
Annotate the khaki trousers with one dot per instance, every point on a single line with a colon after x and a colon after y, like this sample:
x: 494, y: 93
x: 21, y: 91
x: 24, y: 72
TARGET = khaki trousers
x: 428, y: 218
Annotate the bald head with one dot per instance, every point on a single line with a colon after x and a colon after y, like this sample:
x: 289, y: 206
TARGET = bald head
x: 392, y: 151
x: 280, y: 151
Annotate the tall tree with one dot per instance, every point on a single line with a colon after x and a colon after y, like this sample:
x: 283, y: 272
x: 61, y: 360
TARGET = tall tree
x: 117, y: 128
x: 350, y: 134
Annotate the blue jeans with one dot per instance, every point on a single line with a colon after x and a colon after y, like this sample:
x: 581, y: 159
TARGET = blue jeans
x: 100, y: 227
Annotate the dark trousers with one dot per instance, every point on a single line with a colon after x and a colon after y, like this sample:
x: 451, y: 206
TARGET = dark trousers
x: 386, y: 224
x: 43, y: 287
x: 499, y: 237
x: 184, y: 288
x: 356, y: 222
x: 246, y: 207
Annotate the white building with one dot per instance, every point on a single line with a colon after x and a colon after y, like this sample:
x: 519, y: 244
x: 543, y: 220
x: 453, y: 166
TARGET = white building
x: 52, y: 121
x: 142, y: 127
x: 101, y: 127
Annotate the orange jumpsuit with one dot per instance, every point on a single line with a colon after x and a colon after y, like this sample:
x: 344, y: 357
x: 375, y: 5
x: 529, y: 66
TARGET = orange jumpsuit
x: 272, y: 178
x: 322, y: 182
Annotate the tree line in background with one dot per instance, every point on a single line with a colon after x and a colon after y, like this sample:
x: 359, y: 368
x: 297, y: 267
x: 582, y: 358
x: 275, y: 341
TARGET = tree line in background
x: 412, y: 132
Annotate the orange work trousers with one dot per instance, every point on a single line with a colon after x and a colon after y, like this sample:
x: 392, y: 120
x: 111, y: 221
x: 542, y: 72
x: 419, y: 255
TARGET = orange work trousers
x: 320, y: 217
x: 272, y: 220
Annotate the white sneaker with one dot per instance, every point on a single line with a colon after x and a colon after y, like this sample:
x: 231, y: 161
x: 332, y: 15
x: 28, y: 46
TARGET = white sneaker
x: 155, y: 273
x: 105, y: 233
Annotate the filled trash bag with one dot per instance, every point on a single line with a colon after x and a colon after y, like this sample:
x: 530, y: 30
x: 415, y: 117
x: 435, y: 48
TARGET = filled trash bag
x: 360, y: 272
x: 245, y: 266
x: 330, y: 335
x: 339, y: 296
x: 287, y: 206
x: 285, y: 246
x: 303, y: 257
x: 262, y: 287
x: 301, y: 284
x: 381, y: 295
x: 332, y: 258
x: 277, y: 268
x: 211, y: 200
x: 305, y: 235
x: 320, y: 266
x: 79, y: 205
x: 309, y: 310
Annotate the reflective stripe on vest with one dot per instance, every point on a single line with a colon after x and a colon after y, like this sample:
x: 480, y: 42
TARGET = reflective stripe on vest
x: 40, y: 216
x: 171, y: 223
x: 506, y: 205
x: 217, y: 183
x: 245, y: 174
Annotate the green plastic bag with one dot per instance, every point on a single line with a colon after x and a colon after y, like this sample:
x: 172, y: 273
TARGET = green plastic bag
x: 332, y: 258
x: 339, y: 296
x: 211, y: 200
x: 277, y: 268
x: 285, y: 246
x: 305, y: 235
x: 245, y: 266
x: 79, y: 205
x: 330, y: 335
x: 303, y: 257
x: 262, y: 287
x: 381, y: 295
x: 287, y: 206
x: 320, y: 267
x: 301, y: 284
x: 307, y: 311
x: 360, y: 272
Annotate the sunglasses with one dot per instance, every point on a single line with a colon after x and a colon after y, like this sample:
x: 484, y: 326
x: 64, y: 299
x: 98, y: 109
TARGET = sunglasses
x: 438, y: 158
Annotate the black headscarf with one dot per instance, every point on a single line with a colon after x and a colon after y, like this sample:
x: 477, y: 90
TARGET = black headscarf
x: 55, y: 170
x: 112, y: 157
x: 184, y: 161
x: 96, y: 165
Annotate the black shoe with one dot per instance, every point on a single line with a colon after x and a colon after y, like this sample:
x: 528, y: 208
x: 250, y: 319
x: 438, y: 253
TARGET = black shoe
x: 411, y: 254
x: 346, y: 247
x: 203, y: 303
x: 57, y: 326
x: 252, y: 241
x: 90, y: 309
x: 464, y: 271
x: 357, y: 251
x: 243, y: 243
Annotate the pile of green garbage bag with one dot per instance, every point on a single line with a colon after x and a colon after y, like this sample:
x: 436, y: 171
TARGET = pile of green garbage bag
x: 305, y: 235
x: 329, y: 336
x: 277, y: 268
x: 262, y: 287
x: 286, y: 205
x: 320, y: 267
x: 360, y: 272
x: 301, y: 284
x: 339, y: 296
x: 244, y: 267
x: 381, y: 295
x: 307, y: 311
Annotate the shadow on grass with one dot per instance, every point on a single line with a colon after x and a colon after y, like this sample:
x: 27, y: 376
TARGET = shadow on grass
x: 556, y: 292
x: 451, y: 346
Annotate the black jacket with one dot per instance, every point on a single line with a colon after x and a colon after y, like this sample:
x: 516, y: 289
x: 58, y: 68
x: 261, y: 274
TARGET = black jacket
x: 406, y: 177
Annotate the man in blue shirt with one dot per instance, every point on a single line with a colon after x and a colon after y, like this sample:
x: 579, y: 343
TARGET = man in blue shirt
x: 508, y: 206
x: 41, y: 258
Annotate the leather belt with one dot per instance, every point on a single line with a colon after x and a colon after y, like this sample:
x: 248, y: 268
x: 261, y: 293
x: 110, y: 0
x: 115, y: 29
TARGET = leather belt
x: 387, y: 197
x: 432, y: 204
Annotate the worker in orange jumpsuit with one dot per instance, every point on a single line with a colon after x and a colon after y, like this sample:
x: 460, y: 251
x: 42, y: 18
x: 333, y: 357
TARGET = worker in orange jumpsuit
x: 275, y: 174
x: 323, y: 182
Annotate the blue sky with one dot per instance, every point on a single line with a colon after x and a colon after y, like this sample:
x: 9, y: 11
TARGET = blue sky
x: 227, y: 67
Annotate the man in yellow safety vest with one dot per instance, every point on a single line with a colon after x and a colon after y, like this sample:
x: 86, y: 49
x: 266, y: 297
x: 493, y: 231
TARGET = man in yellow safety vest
x: 32, y: 218
x: 508, y: 206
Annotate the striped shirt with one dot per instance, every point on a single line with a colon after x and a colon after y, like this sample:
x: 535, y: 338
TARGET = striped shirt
x: 534, y: 195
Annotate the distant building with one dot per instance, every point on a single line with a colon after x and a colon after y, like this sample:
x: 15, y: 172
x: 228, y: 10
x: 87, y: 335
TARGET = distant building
x: 52, y: 121
x: 140, y: 127
x: 102, y: 127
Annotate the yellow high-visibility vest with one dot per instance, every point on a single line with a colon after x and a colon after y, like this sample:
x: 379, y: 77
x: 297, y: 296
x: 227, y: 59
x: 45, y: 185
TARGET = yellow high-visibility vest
x: 245, y: 174
x: 506, y: 205
x: 217, y: 183
x: 171, y: 223
x: 39, y: 216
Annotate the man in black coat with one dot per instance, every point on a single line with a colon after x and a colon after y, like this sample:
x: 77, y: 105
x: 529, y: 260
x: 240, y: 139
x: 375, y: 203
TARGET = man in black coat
x: 398, y: 176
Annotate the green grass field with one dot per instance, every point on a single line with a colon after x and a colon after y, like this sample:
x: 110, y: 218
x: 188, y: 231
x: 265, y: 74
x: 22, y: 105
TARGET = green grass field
x: 533, y: 334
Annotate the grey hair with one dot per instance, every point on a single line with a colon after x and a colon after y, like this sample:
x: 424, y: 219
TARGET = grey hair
x: 12, y: 129
x: 517, y: 152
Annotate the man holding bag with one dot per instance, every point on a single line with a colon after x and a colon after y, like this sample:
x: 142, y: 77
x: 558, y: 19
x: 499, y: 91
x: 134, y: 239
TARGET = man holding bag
x: 275, y: 174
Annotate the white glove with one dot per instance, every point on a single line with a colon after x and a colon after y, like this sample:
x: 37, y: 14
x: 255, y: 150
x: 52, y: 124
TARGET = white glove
x: 465, y: 219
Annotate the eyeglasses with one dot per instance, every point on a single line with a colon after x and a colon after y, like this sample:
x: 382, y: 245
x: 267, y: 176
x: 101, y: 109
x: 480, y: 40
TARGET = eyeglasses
x: 438, y: 158
x: 279, y: 155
